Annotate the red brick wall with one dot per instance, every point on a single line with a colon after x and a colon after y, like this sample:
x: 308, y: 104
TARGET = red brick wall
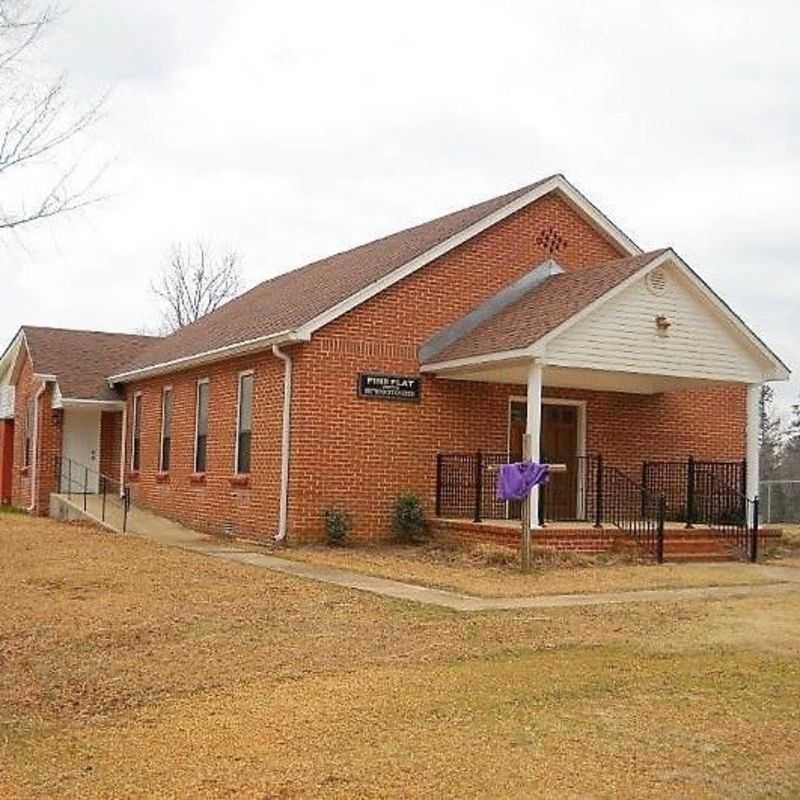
x: 110, y: 443
x: 359, y: 455
x: 214, y: 501
x: 47, y: 449
x: 6, y: 459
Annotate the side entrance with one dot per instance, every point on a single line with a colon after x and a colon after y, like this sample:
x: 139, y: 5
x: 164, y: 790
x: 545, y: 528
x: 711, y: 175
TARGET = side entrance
x: 80, y: 465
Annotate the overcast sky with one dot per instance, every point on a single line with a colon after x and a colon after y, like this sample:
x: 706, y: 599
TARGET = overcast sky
x: 292, y: 131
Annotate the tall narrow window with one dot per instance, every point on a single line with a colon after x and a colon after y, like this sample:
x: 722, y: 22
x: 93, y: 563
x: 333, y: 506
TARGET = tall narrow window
x: 245, y: 423
x: 166, y: 428
x: 201, y: 427
x: 136, y: 435
x: 29, y: 415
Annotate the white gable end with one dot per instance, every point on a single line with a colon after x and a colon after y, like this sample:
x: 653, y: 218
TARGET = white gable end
x: 622, y: 335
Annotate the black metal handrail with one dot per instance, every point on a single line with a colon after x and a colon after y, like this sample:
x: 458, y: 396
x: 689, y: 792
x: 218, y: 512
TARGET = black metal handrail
x: 679, y: 481
x: 629, y: 506
x: 730, y: 512
x: 79, y: 478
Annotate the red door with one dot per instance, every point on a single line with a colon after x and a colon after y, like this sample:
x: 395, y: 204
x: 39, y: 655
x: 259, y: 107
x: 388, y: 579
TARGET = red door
x: 6, y: 459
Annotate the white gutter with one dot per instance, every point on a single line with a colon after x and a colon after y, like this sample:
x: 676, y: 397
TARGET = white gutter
x: 35, y: 447
x: 285, y: 442
x: 102, y: 405
x: 209, y: 356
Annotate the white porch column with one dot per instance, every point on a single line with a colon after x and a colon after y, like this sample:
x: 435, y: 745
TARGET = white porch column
x: 534, y: 429
x: 752, y: 450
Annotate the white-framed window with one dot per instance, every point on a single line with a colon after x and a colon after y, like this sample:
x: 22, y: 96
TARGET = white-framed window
x: 201, y: 426
x: 244, y: 422
x: 166, y: 429
x: 136, y: 433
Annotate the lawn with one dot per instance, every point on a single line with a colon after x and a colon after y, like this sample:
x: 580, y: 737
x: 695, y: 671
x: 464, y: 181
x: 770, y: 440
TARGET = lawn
x: 494, y: 571
x: 132, y: 670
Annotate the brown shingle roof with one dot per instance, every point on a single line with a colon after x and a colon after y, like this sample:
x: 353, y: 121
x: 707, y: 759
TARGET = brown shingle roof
x: 543, y: 309
x: 82, y: 360
x: 290, y: 300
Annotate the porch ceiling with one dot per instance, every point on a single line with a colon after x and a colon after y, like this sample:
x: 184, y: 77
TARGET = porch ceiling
x: 516, y: 372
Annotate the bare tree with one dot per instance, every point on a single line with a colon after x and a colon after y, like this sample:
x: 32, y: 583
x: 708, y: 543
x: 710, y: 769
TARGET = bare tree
x: 194, y: 282
x: 39, y: 125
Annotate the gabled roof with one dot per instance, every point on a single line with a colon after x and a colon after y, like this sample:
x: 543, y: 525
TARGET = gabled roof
x: 547, y: 305
x: 522, y: 328
x: 80, y: 361
x: 292, y: 306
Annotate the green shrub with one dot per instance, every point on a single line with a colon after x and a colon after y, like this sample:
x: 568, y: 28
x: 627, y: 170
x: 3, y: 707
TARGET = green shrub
x: 337, y: 526
x: 409, y: 523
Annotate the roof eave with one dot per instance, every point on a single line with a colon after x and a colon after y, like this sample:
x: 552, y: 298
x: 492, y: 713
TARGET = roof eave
x: 82, y: 403
x: 210, y: 356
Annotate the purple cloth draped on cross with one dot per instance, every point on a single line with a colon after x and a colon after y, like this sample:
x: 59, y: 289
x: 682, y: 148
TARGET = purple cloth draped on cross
x: 515, y: 481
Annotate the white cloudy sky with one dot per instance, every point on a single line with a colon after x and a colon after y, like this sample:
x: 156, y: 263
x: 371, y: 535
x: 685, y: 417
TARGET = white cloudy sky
x: 291, y: 131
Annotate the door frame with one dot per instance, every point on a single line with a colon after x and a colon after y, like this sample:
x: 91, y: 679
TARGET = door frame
x: 580, y: 449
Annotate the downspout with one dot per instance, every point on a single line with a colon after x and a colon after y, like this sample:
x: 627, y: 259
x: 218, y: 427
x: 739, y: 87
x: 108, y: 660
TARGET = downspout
x: 285, y: 442
x: 123, y: 455
x: 35, y: 448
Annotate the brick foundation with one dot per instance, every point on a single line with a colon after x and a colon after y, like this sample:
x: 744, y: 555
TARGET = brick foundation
x: 679, y: 544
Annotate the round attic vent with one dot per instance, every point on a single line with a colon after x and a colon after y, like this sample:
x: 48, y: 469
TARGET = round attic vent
x: 656, y: 281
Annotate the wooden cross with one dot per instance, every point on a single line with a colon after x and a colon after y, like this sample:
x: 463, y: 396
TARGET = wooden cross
x: 527, y: 510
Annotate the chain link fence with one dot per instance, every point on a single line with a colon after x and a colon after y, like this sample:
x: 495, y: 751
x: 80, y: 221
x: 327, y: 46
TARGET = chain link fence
x: 780, y: 501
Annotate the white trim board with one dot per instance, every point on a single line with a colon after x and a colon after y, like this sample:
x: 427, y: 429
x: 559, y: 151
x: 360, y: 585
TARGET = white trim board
x: 209, y: 356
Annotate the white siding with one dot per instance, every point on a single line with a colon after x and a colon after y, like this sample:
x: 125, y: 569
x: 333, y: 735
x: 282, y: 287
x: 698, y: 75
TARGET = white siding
x: 622, y: 335
x: 6, y: 402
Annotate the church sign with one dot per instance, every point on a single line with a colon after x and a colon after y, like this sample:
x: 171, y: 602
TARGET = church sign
x: 389, y: 387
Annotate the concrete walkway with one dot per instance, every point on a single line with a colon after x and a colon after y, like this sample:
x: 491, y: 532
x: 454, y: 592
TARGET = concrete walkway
x: 171, y: 534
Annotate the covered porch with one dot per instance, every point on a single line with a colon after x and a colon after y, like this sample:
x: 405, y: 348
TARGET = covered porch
x: 632, y: 476
x: 634, y: 375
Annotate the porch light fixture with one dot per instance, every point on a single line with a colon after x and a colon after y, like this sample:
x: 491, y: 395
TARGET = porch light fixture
x: 663, y: 324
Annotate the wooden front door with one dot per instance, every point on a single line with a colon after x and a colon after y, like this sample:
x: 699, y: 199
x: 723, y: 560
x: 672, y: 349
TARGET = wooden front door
x: 559, y: 445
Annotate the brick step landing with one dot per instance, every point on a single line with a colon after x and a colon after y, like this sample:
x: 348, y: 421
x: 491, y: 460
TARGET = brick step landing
x: 680, y: 544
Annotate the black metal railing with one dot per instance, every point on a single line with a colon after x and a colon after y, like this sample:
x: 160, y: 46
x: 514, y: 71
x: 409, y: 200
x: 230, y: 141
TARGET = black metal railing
x: 627, y: 505
x: 728, y: 511
x: 680, y: 482
x: 466, y: 488
x: 589, y: 490
x: 79, y: 480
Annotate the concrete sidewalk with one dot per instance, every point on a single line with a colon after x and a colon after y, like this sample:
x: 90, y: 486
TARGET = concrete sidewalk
x: 171, y: 534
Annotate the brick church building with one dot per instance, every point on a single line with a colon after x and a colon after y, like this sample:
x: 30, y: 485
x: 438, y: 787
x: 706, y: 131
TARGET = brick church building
x: 354, y: 379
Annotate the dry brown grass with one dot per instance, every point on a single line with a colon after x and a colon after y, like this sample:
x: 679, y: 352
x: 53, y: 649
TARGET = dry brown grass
x: 491, y: 571
x: 132, y: 670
